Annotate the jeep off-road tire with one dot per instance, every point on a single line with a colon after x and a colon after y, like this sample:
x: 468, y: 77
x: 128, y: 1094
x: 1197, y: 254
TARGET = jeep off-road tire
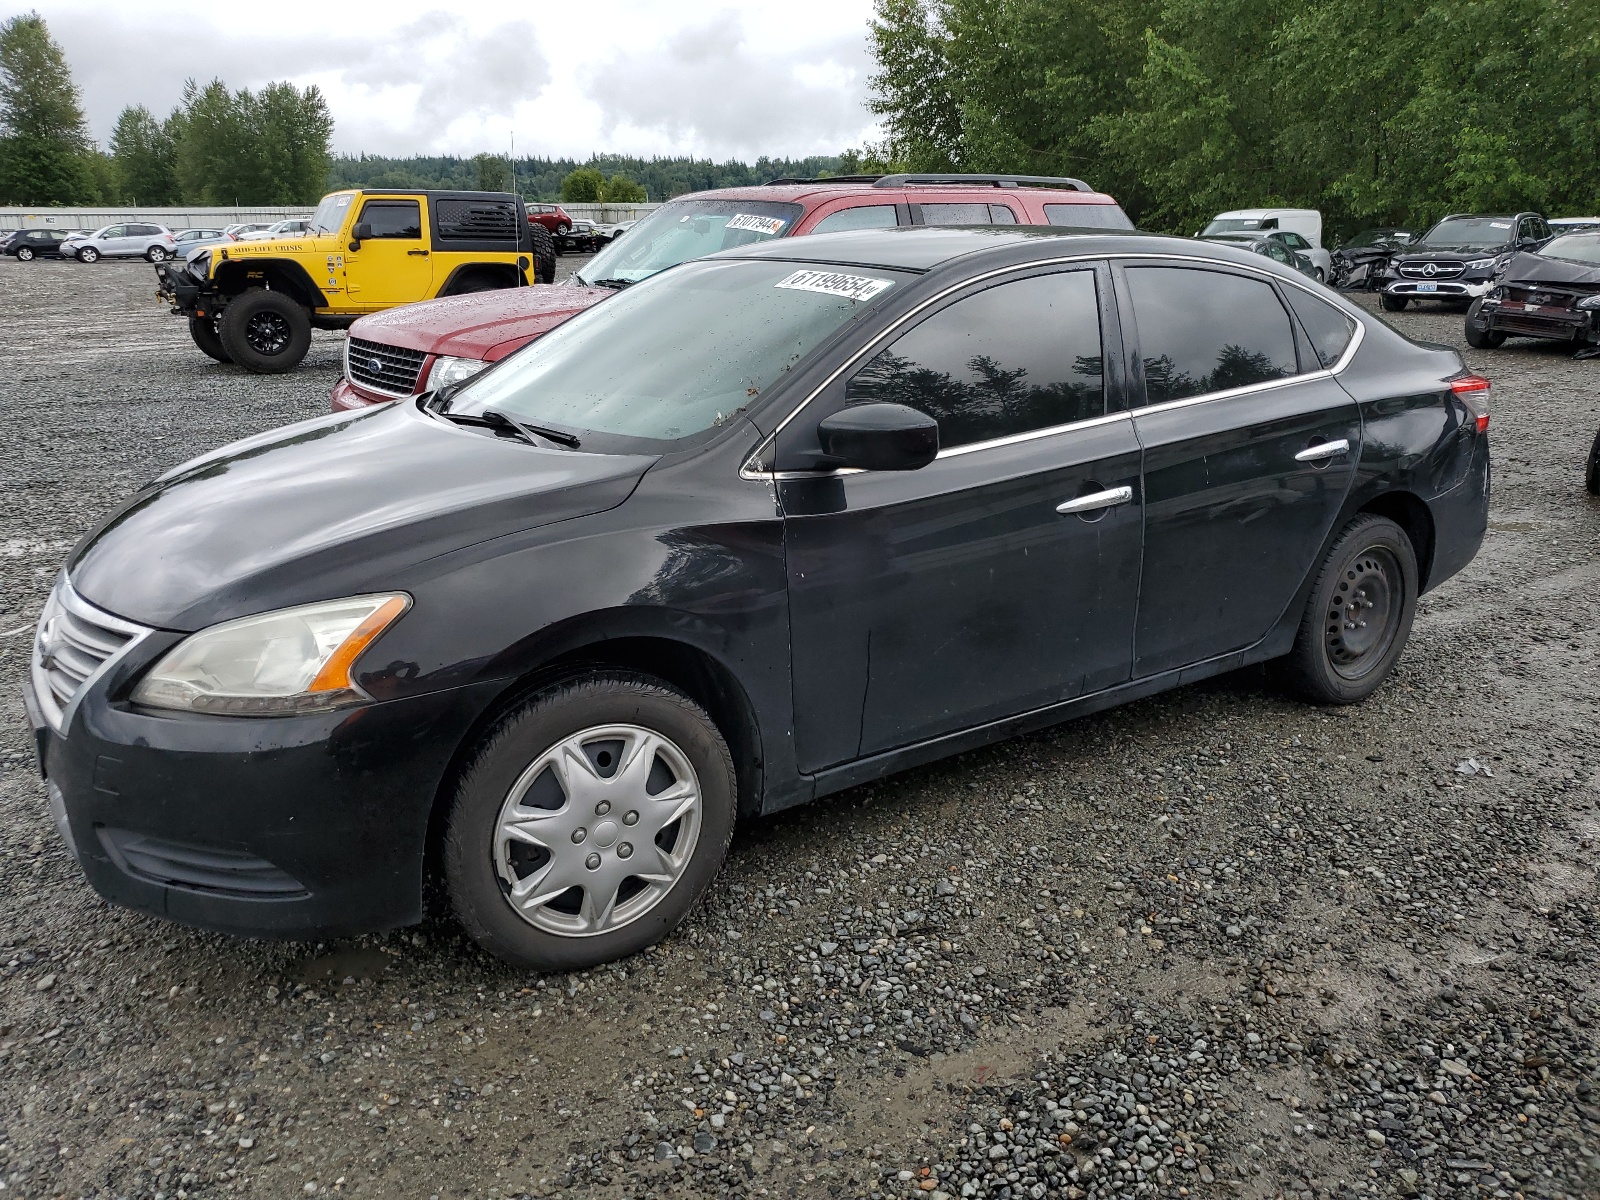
x: 204, y: 332
x: 265, y: 332
x: 612, y: 781
x: 1393, y: 303
x: 88, y: 255
x: 1358, y: 616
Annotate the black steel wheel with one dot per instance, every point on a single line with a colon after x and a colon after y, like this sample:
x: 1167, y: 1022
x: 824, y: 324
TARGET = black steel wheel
x: 1393, y: 303
x: 25, y: 253
x: 1358, y: 616
x: 589, y: 822
x: 204, y: 332
x: 265, y: 332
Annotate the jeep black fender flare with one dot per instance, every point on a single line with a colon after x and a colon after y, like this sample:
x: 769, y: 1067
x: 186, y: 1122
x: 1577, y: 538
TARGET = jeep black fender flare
x: 483, y: 277
x: 288, y: 277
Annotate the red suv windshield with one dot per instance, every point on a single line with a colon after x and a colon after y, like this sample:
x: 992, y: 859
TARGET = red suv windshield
x: 687, y: 229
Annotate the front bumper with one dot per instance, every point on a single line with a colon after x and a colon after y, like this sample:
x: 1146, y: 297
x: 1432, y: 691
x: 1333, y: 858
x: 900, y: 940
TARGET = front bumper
x: 348, y: 396
x: 1551, y: 322
x: 298, y: 827
x: 1438, y: 289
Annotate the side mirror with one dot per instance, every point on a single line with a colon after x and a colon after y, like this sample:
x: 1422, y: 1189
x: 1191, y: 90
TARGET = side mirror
x: 363, y: 231
x: 880, y: 437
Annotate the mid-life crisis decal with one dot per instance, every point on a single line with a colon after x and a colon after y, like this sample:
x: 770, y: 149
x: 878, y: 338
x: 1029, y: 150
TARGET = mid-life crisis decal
x: 835, y: 283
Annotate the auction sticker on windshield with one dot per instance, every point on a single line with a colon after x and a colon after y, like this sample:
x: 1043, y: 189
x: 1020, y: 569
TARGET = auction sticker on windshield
x: 835, y: 283
x: 756, y: 224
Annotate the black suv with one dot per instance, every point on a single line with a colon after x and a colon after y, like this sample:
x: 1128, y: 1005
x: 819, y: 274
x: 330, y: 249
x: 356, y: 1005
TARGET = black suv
x: 1456, y: 259
x: 761, y: 527
x: 28, y: 244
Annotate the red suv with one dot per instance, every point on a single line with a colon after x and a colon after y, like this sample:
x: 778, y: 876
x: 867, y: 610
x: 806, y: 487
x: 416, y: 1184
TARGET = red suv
x: 421, y: 347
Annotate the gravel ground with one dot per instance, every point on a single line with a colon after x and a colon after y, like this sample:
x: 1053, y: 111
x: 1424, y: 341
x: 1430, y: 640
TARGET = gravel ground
x: 1211, y: 944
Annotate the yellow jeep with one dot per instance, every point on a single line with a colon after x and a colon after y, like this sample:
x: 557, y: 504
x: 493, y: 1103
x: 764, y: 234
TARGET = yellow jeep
x: 256, y: 303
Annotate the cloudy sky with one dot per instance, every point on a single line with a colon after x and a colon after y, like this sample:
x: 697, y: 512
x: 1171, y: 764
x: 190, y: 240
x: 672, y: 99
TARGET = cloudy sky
x: 567, y: 78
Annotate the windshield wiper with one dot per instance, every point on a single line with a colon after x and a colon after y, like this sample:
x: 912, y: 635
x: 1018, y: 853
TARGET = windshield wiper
x: 491, y: 418
x: 614, y: 284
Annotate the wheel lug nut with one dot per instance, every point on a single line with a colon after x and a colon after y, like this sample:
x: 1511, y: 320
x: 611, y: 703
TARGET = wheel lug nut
x: 625, y: 850
x: 630, y: 818
x: 578, y: 835
x: 602, y: 808
x: 592, y: 862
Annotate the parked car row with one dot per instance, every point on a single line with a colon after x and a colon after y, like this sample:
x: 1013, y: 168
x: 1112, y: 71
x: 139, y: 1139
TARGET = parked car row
x: 156, y: 243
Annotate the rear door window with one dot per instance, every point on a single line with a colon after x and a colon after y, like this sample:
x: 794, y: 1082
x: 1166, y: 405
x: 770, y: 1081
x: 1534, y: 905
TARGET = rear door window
x: 1010, y: 359
x: 1206, y: 331
x: 393, y: 218
x: 1088, y: 216
x: 967, y: 214
x: 863, y: 216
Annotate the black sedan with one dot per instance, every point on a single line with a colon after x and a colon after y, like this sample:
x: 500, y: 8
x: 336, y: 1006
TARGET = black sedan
x: 28, y: 244
x: 1551, y: 293
x: 765, y: 526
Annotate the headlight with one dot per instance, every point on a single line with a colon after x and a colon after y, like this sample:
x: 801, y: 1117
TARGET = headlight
x: 447, y: 370
x: 295, y: 660
x: 1480, y: 264
x: 1590, y: 303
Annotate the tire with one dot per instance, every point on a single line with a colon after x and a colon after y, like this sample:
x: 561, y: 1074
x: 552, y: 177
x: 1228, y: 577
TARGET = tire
x: 88, y: 255
x: 25, y: 254
x: 204, y: 332
x: 265, y: 332
x: 1591, y: 477
x: 1393, y: 303
x: 1372, y: 563
x: 581, y: 722
x: 156, y: 254
x: 1479, y: 337
x: 1322, y: 276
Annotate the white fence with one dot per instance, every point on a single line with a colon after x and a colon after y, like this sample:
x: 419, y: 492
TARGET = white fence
x: 216, y: 218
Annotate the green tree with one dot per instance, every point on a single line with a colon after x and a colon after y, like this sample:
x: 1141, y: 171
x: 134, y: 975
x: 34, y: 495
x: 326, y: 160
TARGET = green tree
x: 583, y: 186
x: 269, y: 147
x: 619, y: 189
x: 494, y: 173
x: 146, y: 158
x: 45, y: 147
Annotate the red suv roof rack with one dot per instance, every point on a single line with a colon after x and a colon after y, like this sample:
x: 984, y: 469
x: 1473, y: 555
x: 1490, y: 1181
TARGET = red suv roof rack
x: 886, y: 181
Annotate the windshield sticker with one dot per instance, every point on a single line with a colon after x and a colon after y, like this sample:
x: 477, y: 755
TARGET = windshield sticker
x: 1499, y: 224
x: 833, y: 283
x: 766, y: 225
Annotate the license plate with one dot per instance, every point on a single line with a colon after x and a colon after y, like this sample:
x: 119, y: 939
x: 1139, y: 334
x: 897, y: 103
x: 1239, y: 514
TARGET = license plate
x: 1427, y: 287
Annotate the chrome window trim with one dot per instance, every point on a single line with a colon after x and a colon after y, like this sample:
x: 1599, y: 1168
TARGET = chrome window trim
x: 1012, y: 439
x: 748, y: 471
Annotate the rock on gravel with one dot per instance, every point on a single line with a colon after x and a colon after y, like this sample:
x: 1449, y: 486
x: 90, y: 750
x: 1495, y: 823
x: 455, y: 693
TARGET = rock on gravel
x: 1212, y: 944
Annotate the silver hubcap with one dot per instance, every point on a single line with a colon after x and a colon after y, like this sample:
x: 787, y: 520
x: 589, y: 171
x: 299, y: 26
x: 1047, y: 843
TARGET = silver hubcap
x: 598, y: 830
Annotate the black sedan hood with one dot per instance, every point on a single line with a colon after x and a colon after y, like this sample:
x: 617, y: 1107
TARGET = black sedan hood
x: 1537, y: 268
x: 331, y: 507
x: 1449, y: 254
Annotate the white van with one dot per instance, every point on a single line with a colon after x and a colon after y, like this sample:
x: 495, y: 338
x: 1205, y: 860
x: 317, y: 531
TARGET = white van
x: 1293, y: 226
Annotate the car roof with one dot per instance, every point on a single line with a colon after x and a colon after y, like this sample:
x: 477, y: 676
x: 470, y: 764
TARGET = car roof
x: 1257, y: 213
x: 924, y: 247
x: 814, y: 191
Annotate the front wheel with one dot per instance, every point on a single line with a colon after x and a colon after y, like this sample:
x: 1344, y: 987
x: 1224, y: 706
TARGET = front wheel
x: 1478, y: 334
x: 265, y: 332
x: 589, y: 822
x: 88, y: 255
x: 1393, y: 303
x: 1358, y: 616
x: 204, y: 332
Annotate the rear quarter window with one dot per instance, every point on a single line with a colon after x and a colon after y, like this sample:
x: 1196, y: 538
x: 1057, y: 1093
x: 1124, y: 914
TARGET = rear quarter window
x: 475, y: 220
x: 1088, y: 216
x: 1329, y: 329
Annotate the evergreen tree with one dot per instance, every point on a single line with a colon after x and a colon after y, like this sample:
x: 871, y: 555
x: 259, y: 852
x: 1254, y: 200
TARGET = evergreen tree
x: 45, y: 149
x: 146, y: 158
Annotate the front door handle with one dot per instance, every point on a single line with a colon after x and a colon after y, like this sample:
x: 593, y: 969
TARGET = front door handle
x: 418, y: 253
x: 1323, y: 450
x: 1096, y: 500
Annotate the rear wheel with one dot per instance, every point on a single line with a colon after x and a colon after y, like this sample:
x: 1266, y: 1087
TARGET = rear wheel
x: 25, y: 253
x: 1358, y: 616
x: 88, y: 255
x: 156, y: 254
x: 588, y: 823
x: 1393, y: 303
x: 265, y: 332
x: 204, y: 332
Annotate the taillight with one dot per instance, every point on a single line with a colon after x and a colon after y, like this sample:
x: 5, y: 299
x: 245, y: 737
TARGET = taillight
x: 1474, y: 393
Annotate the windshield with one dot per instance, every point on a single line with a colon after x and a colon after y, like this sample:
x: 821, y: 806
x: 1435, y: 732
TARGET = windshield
x: 687, y: 229
x: 1473, y: 233
x: 1575, y: 247
x: 330, y: 213
x: 1238, y: 225
x: 678, y: 355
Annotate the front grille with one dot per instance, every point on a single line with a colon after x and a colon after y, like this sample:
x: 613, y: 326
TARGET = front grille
x: 1431, y: 270
x: 389, y: 369
x: 201, y: 868
x: 1537, y: 326
x: 74, y: 641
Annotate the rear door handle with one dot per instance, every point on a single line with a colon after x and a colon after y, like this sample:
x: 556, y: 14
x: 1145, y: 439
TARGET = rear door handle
x: 1323, y: 450
x: 1095, y: 500
x: 418, y: 253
